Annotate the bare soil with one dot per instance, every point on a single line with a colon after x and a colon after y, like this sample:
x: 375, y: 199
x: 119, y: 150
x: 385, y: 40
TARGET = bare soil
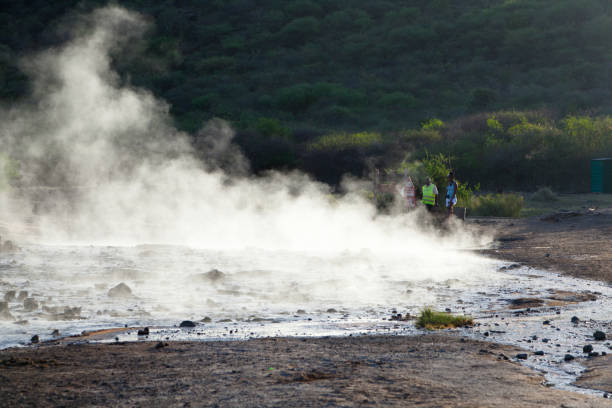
x: 577, y: 243
x: 428, y: 371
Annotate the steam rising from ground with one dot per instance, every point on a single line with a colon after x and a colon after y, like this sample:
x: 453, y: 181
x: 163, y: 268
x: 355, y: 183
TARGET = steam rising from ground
x: 135, y: 179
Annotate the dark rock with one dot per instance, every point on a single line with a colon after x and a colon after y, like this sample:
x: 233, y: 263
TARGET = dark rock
x: 9, y: 246
x: 568, y: 357
x: 545, y: 340
x: 143, y: 332
x: 332, y: 310
x: 593, y: 354
x: 599, y: 335
x: 30, y: 304
x: 120, y: 291
x: 575, y: 319
x: 187, y: 323
x: 9, y: 296
x: 539, y: 353
x: 534, y: 337
x: 301, y: 311
x: 4, y: 312
x: 35, y: 339
x: 161, y: 344
x: 521, y: 356
x: 587, y: 349
x: 546, y: 322
x: 214, y: 275
x: 521, y: 303
x: 22, y: 295
x: 206, y: 320
x: 55, y: 333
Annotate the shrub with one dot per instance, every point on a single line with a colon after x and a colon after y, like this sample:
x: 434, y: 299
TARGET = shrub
x: 298, y: 31
x: 430, y: 319
x: 343, y: 141
x: 544, y: 194
x: 496, y: 205
x: 296, y: 98
x: 270, y: 127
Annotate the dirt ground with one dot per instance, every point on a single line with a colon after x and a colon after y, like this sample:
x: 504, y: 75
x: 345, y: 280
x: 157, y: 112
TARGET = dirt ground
x: 577, y: 243
x: 425, y: 371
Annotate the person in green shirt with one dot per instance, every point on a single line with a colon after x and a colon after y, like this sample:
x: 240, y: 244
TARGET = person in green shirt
x: 430, y: 194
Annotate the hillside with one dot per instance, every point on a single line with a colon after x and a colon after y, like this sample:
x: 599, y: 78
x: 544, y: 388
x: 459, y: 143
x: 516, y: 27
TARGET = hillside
x: 384, y: 64
x: 288, y: 73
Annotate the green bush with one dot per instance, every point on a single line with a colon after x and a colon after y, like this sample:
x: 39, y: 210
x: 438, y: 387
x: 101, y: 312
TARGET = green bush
x: 270, y: 127
x: 300, y: 30
x: 343, y: 141
x: 496, y: 205
x: 544, y: 194
x: 430, y: 319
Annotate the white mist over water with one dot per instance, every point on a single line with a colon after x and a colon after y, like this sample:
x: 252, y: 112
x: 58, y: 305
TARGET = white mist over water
x: 134, y: 179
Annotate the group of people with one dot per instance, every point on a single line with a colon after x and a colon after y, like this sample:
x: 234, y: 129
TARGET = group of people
x: 430, y: 194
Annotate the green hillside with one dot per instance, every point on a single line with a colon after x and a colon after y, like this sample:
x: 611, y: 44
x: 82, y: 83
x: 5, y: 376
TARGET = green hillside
x: 287, y: 72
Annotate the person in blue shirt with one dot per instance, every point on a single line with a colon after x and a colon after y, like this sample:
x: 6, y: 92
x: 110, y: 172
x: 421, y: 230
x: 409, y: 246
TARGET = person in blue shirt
x: 451, y: 193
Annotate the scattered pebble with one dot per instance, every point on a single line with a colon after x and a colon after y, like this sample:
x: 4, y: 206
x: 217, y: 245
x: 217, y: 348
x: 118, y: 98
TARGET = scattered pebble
x: 587, y: 349
x: 599, y: 335
x: 120, y: 291
x: 568, y: 357
x: 187, y: 323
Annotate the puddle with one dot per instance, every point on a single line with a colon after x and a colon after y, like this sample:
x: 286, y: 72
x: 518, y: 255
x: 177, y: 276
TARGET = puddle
x: 252, y: 293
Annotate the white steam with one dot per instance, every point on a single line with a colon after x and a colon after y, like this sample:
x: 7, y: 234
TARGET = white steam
x: 134, y: 178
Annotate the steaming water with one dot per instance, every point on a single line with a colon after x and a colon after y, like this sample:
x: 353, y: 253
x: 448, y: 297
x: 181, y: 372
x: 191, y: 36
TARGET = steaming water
x: 290, y: 293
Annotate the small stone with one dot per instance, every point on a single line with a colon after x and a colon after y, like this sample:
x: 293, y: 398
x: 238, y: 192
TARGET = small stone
x: 30, y: 304
x: 206, y: 320
x: 161, y: 344
x: 599, y: 335
x: 587, y: 349
x: 575, y: 319
x: 35, y: 339
x: 546, y: 322
x: 486, y: 334
x: 301, y: 311
x: 187, y: 323
x: 568, y: 357
x: 545, y: 340
x: 539, y: 353
x: 521, y: 356
x: 143, y: 332
x: 9, y: 296
x: 332, y: 310
x: 55, y: 333
x: 120, y: 291
x: 593, y: 354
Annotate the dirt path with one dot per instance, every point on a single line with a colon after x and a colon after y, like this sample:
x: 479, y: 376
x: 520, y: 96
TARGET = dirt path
x: 427, y: 371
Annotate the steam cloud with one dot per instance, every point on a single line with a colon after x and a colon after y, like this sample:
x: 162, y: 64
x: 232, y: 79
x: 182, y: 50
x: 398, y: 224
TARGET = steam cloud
x: 135, y: 179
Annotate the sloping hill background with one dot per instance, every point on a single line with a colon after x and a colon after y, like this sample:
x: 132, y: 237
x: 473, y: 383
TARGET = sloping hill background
x: 286, y: 73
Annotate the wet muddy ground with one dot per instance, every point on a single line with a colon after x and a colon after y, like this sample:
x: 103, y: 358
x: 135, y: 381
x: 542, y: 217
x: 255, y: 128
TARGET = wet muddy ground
x: 549, y: 315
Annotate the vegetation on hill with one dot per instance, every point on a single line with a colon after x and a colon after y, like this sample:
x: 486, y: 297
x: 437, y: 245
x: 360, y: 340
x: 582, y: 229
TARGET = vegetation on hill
x: 339, y: 86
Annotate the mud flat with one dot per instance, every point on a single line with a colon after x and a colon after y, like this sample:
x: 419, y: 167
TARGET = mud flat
x: 576, y: 243
x: 429, y: 371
